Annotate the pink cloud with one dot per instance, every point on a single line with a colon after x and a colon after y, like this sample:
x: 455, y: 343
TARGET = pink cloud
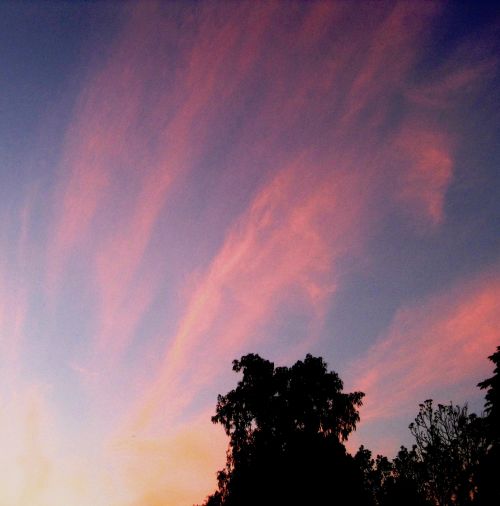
x: 439, y: 343
x: 321, y: 17
x: 425, y: 168
x: 467, y: 70
x: 449, y: 87
x: 286, y: 245
x: 388, y: 58
x: 101, y: 137
x: 117, y: 156
x: 14, y: 284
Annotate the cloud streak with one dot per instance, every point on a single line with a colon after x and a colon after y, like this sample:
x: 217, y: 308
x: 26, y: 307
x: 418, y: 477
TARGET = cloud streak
x: 278, y: 249
x: 435, y: 344
x: 425, y: 155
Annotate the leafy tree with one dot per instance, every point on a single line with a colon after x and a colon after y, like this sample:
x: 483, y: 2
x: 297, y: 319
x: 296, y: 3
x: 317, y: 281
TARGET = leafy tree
x: 489, y: 469
x: 406, y: 486
x: 450, y: 444
x: 392, y: 483
x: 377, y: 474
x: 492, y: 406
x: 286, y: 427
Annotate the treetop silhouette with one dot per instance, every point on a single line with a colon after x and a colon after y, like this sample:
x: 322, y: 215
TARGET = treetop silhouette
x: 279, y: 401
x: 286, y: 427
x: 492, y: 406
x: 489, y: 474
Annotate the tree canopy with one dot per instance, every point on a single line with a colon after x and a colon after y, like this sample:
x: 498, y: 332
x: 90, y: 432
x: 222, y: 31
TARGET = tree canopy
x: 492, y: 387
x: 450, y: 444
x: 286, y: 427
x: 489, y: 474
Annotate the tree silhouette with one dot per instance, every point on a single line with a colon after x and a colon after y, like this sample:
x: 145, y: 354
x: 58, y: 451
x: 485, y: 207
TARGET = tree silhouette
x: 392, y: 483
x: 377, y: 474
x: 406, y: 487
x: 492, y: 406
x: 489, y: 474
x: 450, y: 444
x: 286, y: 427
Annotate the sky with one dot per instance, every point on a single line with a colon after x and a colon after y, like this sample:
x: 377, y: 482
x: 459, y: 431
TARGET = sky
x: 182, y: 183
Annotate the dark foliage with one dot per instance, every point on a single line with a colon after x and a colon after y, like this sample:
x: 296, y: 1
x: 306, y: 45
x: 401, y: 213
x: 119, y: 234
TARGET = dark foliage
x: 406, y: 487
x: 392, y: 483
x: 489, y: 471
x: 492, y: 387
x: 286, y: 429
x: 450, y: 444
x: 378, y: 475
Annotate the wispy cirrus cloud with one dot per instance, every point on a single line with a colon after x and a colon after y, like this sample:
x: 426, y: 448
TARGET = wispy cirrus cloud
x: 285, y: 245
x: 136, y: 132
x: 424, y: 161
x: 15, y: 272
x: 304, y: 218
x: 387, y: 61
x: 438, y: 343
x: 469, y: 67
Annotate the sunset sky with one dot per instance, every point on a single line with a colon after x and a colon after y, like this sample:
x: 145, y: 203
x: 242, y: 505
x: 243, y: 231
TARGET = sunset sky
x: 182, y: 183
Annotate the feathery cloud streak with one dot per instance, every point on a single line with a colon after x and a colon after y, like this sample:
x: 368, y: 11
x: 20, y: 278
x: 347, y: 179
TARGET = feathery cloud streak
x: 437, y: 343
